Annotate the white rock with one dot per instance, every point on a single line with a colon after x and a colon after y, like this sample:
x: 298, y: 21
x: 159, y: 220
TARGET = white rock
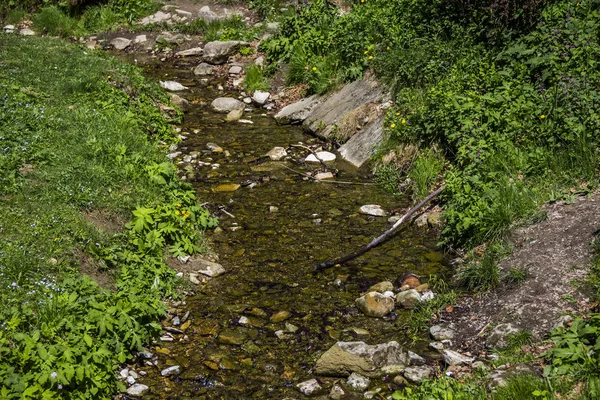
x: 243, y: 320
x: 211, y: 269
x: 374, y: 210
x: 183, y: 14
x: 324, y: 175
x: 137, y: 390
x: 415, y: 359
x: 133, y: 374
x: 452, y: 357
x: 277, y: 153
x: 418, y: 374
x: 440, y: 333
x: 236, y: 69
x: 260, y: 97
x: 175, y: 369
x: 120, y: 43
x: 124, y: 373
x: 206, y: 14
x: 358, y: 382
x: 247, y: 100
x: 194, y: 51
x: 130, y: 380
x: 159, y: 16
x: 140, y: 39
x: 172, y: 86
x: 27, y: 32
x: 323, y: 155
x: 9, y: 28
x: 309, y: 387
x: 259, y: 61
x: 273, y: 209
x: 245, y: 121
x: 226, y: 104
x: 408, y: 298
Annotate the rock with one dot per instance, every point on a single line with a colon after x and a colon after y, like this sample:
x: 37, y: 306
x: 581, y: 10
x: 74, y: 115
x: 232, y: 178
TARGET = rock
x: 562, y: 322
x: 415, y: 359
x: 343, y: 358
x: 422, y: 288
x: 194, y: 51
x: 381, y: 287
x: 272, y: 26
x: 170, y: 38
x: 137, y: 389
x: 236, y: 69
x: 374, y: 210
x: 359, y: 148
x: 124, y: 373
x: 183, y: 14
x: 408, y: 281
x: 408, y: 298
x: 219, y: 52
x: 27, y: 32
x: 499, y: 336
x: 145, y: 355
x: 359, y: 333
x: 234, y: 115
x: 120, y: 43
x: 280, y: 316
x: 309, y: 388
x: 434, y: 218
x: 172, y: 85
x: 9, y: 28
x: 297, y: 112
x: 439, y: 346
x: 273, y: 209
x: 247, y: 100
x: 500, y: 377
x: 210, y: 268
x: 232, y: 337
x: 206, y: 14
x: 180, y: 102
x: 140, y: 39
x: 358, y: 382
x: 452, y: 357
x: 259, y: 61
x: 277, y: 153
x: 174, y: 370
x: 337, y: 393
x: 260, y: 97
x: 155, y: 18
x: 291, y: 327
x: 322, y: 156
x: 324, y: 175
x: 440, y: 333
x: 226, y: 104
x: 400, y: 381
x: 374, y: 304
x: 203, y: 69
x: 131, y: 380
x: 215, y: 148
x: 418, y: 374
x: 427, y: 295
x: 421, y: 221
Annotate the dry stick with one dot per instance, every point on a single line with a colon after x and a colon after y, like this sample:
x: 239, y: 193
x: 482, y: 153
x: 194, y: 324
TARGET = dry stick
x: 312, y: 152
x: 378, y: 240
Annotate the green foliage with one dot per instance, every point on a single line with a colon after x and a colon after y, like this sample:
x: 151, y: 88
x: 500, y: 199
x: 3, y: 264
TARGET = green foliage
x: 265, y: 8
x: 442, y: 389
x: 232, y: 28
x: 422, y: 313
x: 254, y: 79
x: 525, y: 386
x: 54, y: 22
x: 515, y: 276
x: 78, y: 132
x: 388, y: 177
x: 482, y: 273
x: 425, y: 172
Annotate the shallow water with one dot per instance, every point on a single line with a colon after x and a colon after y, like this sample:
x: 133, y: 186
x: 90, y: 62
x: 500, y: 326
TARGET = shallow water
x: 268, y: 256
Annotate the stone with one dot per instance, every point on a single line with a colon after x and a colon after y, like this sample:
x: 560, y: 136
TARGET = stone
x: 155, y: 18
x: 172, y: 86
x: 381, y: 287
x: 500, y: 377
x: 324, y: 175
x: 415, y: 359
x: 272, y: 26
x: 203, y: 69
x: 408, y: 298
x: 215, y: 148
x: 499, y: 336
x: 206, y: 14
x: 247, y: 100
x: 260, y: 97
x: 140, y: 39
x: 343, y: 358
x: 439, y: 346
x: 320, y: 156
x: 409, y: 281
x: 440, y: 333
x: 26, y: 32
x: 358, y: 382
x: 234, y: 115
x: 170, y: 38
x: 9, y: 28
x: 418, y: 374
x: 236, y: 69
x: 124, y: 373
x: 183, y: 14
x: 374, y: 304
x: 217, y: 52
x: 434, y: 218
x: 194, y: 51
x: 232, y: 337
x: 310, y: 387
x: 277, y: 153
x: 131, y: 380
x: 137, y: 389
x: 452, y: 357
x: 273, y: 209
x: 120, y: 43
x: 280, y: 316
x: 359, y: 333
x: 226, y: 104
x: 210, y: 268
x: 562, y: 322
x: 180, y: 102
x: 259, y: 61
x: 337, y: 393
x: 374, y: 210
x: 359, y: 148
x: 297, y: 112
x: 173, y: 370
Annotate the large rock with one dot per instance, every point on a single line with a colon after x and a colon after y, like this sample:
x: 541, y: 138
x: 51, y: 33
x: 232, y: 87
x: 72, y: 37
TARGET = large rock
x: 137, y: 389
x: 343, y: 358
x: 296, y: 113
x: 408, y: 298
x: 219, y: 52
x: 203, y: 69
x: 180, y: 102
x: 373, y: 209
x: 359, y: 148
x: 194, y: 51
x: 309, y: 388
x: 120, y: 43
x: 375, y: 304
x: 452, y: 357
x: 172, y: 86
x: 260, y: 97
x: 226, y: 104
x: 500, y: 335
x: 211, y: 269
x: 418, y: 374
x: 320, y: 156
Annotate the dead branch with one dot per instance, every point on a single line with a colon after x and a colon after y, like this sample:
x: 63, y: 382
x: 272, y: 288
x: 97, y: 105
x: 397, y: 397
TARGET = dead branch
x: 378, y: 240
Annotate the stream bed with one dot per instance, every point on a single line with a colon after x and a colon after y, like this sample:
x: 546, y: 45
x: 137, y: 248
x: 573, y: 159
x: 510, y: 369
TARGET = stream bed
x: 257, y: 330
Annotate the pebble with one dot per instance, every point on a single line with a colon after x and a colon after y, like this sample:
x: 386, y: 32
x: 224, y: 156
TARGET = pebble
x: 374, y: 210
x: 137, y: 389
x: 309, y: 387
x: 175, y: 369
x: 358, y: 382
x: 280, y: 316
x: 130, y: 380
x: 323, y: 156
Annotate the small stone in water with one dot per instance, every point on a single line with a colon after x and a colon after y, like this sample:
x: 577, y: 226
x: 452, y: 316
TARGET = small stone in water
x: 175, y: 369
x: 137, y: 390
x: 309, y: 387
x: 130, y: 380
x: 124, y: 373
x: 133, y: 374
x: 273, y: 209
x: 176, y: 321
x: 280, y: 316
x: 322, y: 155
x: 374, y: 210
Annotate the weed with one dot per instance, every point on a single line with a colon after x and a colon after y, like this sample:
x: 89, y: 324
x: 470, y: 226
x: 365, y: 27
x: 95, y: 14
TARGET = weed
x: 53, y: 21
x: 254, y: 79
x: 515, y: 276
x: 425, y: 172
x: 482, y: 273
x: 422, y: 313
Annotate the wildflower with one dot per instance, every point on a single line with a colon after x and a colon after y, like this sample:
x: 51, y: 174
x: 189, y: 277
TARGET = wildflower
x: 388, y: 48
x: 403, y: 121
x: 108, y: 77
x: 53, y: 375
x: 178, y: 204
x: 542, y: 116
x: 392, y: 126
x: 366, y: 52
x: 362, y: 1
x: 177, y: 212
x: 314, y: 68
x: 370, y: 57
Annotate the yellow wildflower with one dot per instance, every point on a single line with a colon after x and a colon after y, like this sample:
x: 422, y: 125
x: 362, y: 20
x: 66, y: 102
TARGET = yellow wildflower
x: 362, y: 1
x: 177, y: 212
x: 314, y: 68
x: 108, y: 77
x: 178, y: 204
x: 542, y: 116
x: 392, y: 126
x: 403, y: 121
x: 370, y: 57
x: 388, y: 48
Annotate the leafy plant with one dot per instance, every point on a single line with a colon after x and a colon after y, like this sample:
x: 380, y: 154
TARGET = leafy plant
x: 254, y: 79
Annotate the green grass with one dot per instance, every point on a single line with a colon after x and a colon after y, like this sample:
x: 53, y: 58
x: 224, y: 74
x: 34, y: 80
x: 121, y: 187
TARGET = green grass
x: 425, y: 172
x: 482, y: 273
x: 254, y: 79
x: 79, y: 133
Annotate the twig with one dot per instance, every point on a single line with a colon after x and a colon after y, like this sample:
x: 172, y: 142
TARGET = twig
x: 378, y: 240
x: 311, y: 151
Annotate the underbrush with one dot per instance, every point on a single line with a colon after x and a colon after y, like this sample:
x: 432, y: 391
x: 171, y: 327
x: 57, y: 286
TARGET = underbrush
x: 78, y: 134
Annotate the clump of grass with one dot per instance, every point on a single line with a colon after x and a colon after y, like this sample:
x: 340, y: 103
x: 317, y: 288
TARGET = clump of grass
x: 15, y: 16
x: 482, y: 273
x: 425, y: 172
x: 255, y: 79
x: 516, y: 276
x: 526, y: 386
x: 423, y: 311
x: 54, y: 22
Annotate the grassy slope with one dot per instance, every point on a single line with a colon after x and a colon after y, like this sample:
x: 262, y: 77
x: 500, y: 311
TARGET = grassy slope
x: 85, y: 128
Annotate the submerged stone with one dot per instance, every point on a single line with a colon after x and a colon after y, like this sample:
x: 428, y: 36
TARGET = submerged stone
x: 227, y: 187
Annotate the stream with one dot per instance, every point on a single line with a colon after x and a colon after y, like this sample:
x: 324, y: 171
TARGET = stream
x: 257, y: 330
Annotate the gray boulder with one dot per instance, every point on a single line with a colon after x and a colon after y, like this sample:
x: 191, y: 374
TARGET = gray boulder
x: 440, y: 333
x: 309, y: 388
x: 359, y: 148
x: 343, y: 358
x: 499, y: 336
x: 203, y: 69
x: 226, y: 104
x: 137, y: 389
x: 194, y: 51
x: 297, y: 112
x: 120, y: 43
x: 219, y: 52
x: 418, y: 374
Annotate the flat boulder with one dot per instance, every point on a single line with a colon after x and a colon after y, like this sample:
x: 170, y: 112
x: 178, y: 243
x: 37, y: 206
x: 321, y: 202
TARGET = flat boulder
x: 226, y: 104
x: 172, y: 86
x: 296, y: 113
x: 203, y: 69
x: 120, y: 43
x: 194, y: 51
x: 344, y: 358
x: 320, y: 156
x: 218, y: 52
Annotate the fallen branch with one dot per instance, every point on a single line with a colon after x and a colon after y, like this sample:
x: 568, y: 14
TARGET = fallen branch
x: 311, y: 152
x: 378, y: 240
